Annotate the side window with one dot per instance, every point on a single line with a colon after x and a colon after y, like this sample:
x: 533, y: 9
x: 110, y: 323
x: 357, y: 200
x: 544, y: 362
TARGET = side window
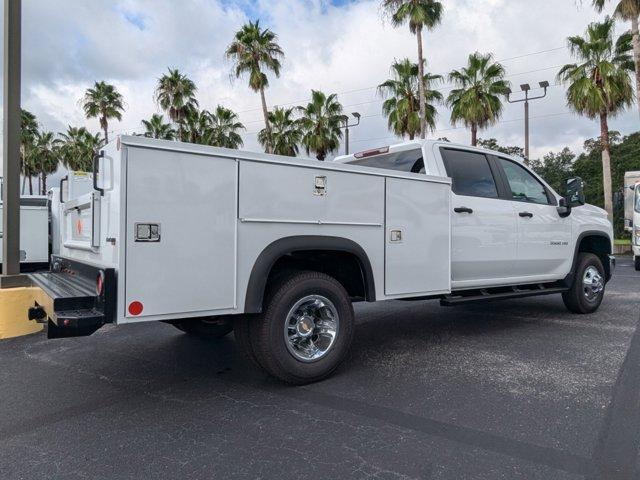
x: 470, y: 173
x: 524, y: 186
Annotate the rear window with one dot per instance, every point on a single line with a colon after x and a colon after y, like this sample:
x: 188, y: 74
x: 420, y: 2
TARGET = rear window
x: 470, y: 173
x: 407, y: 161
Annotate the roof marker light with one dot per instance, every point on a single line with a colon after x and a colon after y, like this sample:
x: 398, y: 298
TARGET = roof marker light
x: 371, y: 153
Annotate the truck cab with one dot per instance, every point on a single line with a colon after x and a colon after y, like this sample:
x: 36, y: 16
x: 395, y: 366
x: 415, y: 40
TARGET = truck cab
x: 508, y: 225
x: 632, y: 213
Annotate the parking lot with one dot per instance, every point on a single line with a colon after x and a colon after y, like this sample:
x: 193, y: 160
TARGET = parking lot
x: 519, y: 389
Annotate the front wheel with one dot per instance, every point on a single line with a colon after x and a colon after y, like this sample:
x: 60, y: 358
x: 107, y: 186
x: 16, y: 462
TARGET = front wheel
x: 306, y: 330
x: 587, y: 291
x: 210, y: 328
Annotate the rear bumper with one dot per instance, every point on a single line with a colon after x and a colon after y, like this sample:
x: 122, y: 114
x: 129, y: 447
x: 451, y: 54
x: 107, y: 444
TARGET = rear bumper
x: 69, y: 301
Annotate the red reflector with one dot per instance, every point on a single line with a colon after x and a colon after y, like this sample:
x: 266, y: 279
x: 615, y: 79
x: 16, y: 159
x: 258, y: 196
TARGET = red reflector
x: 66, y: 322
x: 371, y: 153
x: 135, y: 308
x: 100, y: 283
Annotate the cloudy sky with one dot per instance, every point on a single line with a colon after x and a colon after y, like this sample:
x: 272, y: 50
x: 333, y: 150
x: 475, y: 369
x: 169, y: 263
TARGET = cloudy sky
x: 337, y: 46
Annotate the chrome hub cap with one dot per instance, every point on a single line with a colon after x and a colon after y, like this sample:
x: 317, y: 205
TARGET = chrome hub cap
x: 311, y: 328
x: 592, y: 283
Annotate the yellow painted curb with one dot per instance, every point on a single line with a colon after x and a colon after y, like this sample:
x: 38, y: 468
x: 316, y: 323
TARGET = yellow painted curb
x: 14, y: 303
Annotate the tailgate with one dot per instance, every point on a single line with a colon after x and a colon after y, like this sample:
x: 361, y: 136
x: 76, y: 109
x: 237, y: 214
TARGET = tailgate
x: 75, y: 299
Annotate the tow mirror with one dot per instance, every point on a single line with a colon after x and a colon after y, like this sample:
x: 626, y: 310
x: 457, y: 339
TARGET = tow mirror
x: 574, y: 196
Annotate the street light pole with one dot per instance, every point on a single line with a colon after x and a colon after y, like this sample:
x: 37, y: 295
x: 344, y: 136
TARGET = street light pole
x: 526, y: 88
x: 356, y: 115
x: 11, y: 141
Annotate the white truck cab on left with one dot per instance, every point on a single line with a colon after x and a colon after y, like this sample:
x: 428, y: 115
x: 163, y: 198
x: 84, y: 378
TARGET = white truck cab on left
x: 277, y: 248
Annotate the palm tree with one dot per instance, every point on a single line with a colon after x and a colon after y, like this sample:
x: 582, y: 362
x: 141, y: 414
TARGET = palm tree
x: 44, y: 156
x: 629, y: 10
x: 175, y: 94
x: 403, y: 92
x: 253, y: 51
x: 77, y: 148
x: 600, y: 85
x: 196, y: 127
x: 420, y: 14
x: 321, y: 121
x: 476, y: 102
x: 156, y: 128
x: 28, y: 134
x: 103, y: 101
x: 225, y: 127
x: 285, y: 132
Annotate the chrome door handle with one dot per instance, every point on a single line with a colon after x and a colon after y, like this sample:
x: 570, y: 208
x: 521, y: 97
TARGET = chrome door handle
x: 526, y: 214
x: 462, y: 210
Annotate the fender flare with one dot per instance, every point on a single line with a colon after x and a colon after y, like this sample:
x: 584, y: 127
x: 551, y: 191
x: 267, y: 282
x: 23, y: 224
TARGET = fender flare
x: 568, y: 280
x: 287, y: 245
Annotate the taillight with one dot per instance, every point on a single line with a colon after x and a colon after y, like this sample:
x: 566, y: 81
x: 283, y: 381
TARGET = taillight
x: 100, y: 283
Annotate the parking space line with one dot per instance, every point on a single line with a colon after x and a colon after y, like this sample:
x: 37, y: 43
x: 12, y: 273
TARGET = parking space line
x: 616, y: 451
x: 550, y: 457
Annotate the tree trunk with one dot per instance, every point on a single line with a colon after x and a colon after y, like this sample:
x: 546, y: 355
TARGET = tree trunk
x: 411, y: 136
x: 606, y: 165
x: 267, y: 125
x: 105, y: 127
x: 30, y: 186
x: 636, y: 56
x: 474, y: 135
x: 44, y: 183
x: 421, y: 87
x: 24, y: 183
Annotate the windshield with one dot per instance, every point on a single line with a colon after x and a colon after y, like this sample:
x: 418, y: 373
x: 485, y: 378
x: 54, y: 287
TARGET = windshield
x: 636, y: 203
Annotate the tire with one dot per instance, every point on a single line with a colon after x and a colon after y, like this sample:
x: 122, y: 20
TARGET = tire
x: 210, y: 328
x: 306, y: 330
x: 636, y: 263
x: 581, y: 297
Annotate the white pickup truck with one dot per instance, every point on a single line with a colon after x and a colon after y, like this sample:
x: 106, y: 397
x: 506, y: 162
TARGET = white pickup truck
x: 277, y: 248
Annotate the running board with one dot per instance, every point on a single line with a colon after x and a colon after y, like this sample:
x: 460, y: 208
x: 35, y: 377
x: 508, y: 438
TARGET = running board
x: 490, y: 294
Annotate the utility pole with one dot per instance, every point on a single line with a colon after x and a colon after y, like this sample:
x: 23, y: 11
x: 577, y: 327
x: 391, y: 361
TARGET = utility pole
x: 11, y: 145
x: 526, y: 88
x: 356, y: 115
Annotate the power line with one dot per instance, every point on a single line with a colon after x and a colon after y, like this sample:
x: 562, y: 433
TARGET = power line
x: 549, y: 115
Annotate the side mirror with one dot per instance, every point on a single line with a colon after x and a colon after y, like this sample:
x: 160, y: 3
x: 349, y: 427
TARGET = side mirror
x: 574, y: 195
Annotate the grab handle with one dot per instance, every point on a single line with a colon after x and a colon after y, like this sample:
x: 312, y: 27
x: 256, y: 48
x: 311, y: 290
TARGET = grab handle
x: 63, y: 179
x: 96, y: 165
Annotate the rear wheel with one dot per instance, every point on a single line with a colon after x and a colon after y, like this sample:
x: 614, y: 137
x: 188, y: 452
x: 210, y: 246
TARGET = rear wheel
x: 587, y: 291
x: 306, y: 329
x: 636, y: 263
x: 210, y: 328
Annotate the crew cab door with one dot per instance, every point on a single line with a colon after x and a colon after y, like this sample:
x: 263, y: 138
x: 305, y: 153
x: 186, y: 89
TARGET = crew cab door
x: 544, y: 238
x: 484, y: 227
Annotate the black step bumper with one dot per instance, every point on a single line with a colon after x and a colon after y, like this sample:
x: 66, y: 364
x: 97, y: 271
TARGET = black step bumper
x: 69, y: 300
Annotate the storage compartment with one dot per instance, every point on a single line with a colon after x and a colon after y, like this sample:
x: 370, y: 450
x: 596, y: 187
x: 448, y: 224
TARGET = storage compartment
x: 181, y: 212
x: 418, y: 237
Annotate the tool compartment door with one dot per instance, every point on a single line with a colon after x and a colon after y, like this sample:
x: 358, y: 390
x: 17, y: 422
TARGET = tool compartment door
x: 180, y: 233
x: 417, y: 238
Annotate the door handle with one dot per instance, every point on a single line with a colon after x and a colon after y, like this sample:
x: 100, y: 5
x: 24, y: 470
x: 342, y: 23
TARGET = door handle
x: 462, y: 210
x: 526, y: 214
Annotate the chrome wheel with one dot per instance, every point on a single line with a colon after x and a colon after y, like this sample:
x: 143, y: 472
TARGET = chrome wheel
x: 311, y: 328
x: 592, y: 283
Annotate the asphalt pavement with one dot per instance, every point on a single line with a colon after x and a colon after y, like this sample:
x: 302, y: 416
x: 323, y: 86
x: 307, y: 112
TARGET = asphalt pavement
x: 518, y: 389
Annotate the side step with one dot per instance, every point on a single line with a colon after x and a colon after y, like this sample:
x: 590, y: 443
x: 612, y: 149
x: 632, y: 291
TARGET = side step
x: 500, y: 293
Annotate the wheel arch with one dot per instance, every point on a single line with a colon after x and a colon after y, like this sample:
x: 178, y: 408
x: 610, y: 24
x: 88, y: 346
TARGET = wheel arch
x: 286, y: 247
x: 593, y: 241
